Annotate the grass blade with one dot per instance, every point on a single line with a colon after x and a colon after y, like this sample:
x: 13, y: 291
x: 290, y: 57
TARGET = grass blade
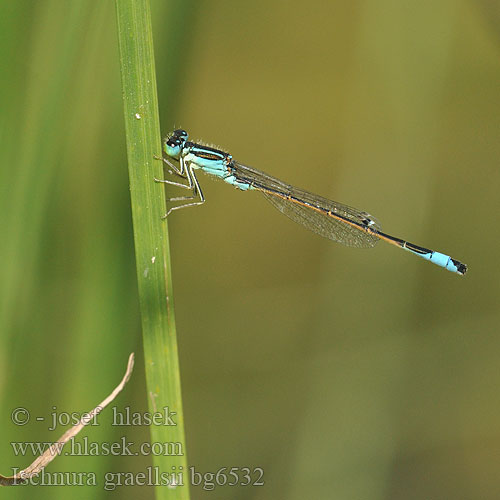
x: 151, y: 237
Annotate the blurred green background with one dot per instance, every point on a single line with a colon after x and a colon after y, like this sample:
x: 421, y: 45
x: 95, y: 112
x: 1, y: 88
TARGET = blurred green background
x: 343, y: 373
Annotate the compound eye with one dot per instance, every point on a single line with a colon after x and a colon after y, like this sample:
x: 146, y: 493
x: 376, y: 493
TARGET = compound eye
x: 181, y: 134
x: 172, y: 147
x: 174, y: 144
x: 173, y: 141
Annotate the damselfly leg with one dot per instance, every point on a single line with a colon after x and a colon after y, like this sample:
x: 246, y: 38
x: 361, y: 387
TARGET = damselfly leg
x: 175, y: 170
x: 193, y: 185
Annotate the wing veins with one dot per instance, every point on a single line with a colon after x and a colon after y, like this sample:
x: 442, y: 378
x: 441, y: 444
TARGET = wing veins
x: 330, y: 219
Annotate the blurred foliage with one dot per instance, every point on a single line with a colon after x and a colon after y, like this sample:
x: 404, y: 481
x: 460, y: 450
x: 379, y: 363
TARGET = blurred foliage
x: 342, y: 373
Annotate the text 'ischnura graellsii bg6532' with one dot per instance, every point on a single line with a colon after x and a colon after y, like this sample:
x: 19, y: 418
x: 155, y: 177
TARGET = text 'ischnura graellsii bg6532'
x: 338, y: 222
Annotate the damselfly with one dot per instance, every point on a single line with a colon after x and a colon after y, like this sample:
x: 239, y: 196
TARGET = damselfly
x: 338, y: 222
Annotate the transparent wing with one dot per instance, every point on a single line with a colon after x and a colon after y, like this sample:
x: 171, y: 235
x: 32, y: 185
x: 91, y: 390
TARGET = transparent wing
x: 332, y: 220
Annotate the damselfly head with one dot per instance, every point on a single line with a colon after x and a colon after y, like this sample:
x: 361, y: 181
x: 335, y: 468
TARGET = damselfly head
x: 173, y: 144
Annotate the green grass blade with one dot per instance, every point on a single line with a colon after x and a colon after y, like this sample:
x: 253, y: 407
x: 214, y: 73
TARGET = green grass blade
x: 150, y: 234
